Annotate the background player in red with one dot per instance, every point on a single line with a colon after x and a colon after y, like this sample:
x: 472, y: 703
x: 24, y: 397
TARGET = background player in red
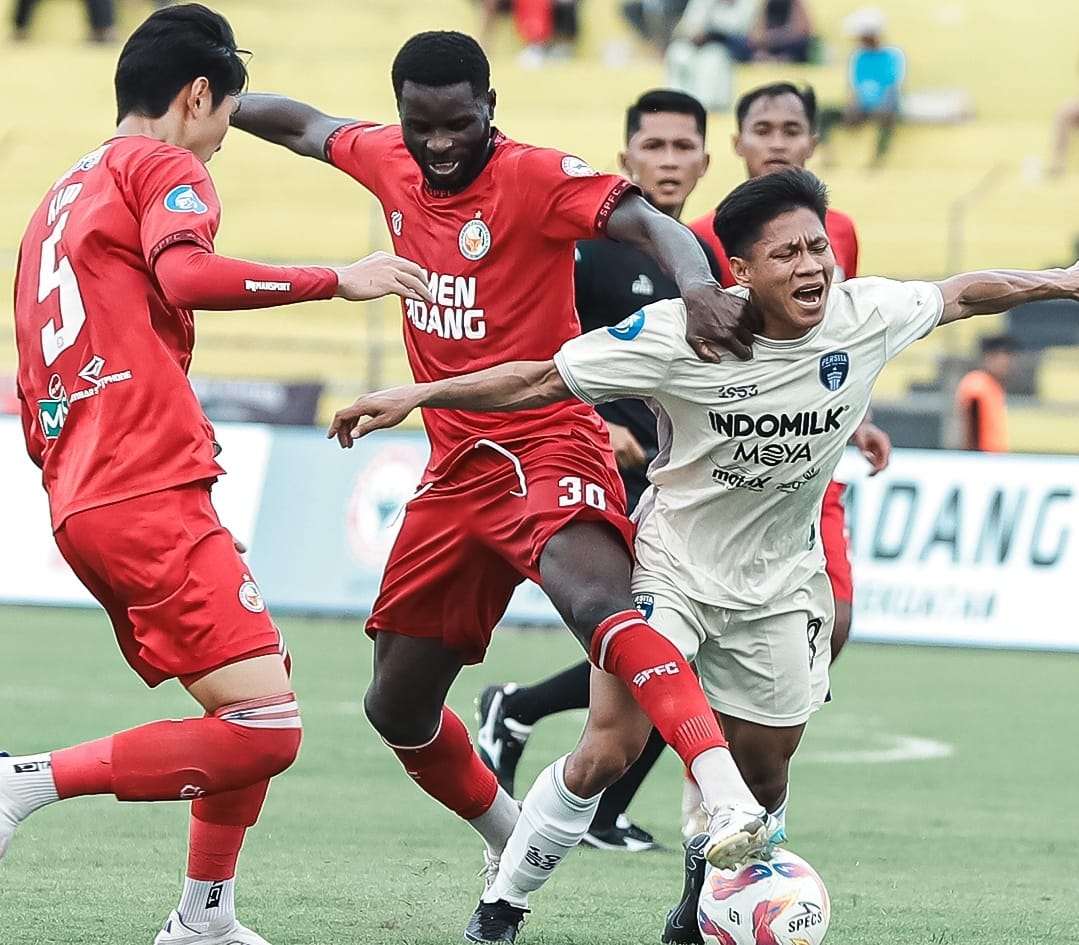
x: 118, y: 252
x: 535, y: 495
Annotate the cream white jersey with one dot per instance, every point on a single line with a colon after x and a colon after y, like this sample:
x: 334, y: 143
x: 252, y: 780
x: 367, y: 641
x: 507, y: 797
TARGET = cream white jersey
x: 747, y: 447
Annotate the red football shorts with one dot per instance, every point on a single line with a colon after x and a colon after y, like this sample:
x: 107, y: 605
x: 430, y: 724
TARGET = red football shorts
x: 469, y: 538
x: 180, y: 597
x: 836, y: 541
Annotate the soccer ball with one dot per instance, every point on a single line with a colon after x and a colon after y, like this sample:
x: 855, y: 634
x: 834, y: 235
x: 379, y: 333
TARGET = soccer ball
x: 781, y: 901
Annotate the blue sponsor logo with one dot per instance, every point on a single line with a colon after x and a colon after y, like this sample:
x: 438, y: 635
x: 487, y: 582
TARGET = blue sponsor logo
x: 183, y: 199
x: 629, y: 328
x: 834, y: 368
x: 645, y: 603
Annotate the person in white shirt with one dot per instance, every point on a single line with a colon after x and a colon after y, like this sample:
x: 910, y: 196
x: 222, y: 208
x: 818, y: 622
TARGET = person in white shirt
x: 729, y: 563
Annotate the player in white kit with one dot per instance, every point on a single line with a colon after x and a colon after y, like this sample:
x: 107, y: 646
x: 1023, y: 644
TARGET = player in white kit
x: 729, y: 563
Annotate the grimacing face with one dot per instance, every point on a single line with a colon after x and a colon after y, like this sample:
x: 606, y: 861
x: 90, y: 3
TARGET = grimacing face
x: 447, y: 130
x: 775, y: 135
x: 788, y: 272
x: 665, y: 157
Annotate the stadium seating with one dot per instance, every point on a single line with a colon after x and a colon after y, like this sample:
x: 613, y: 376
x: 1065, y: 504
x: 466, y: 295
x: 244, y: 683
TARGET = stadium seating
x: 952, y: 196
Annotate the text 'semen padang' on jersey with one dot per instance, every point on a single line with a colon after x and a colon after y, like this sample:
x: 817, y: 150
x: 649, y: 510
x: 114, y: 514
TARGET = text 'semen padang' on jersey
x: 499, y: 262
x: 747, y: 447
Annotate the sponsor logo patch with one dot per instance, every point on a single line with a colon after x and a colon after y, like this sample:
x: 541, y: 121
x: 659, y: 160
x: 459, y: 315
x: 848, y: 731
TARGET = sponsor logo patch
x: 183, y: 199
x: 629, y: 328
x: 396, y: 219
x: 474, y: 240
x: 574, y: 167
x: 833, y: 369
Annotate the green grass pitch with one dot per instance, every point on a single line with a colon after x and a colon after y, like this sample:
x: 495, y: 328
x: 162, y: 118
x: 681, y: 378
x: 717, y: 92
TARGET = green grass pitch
x: 969, y: 837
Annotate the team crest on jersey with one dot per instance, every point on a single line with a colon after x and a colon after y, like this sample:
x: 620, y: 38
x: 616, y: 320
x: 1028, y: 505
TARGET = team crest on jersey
x: 183, y: 199
x: 251, y: 596
x: 629, y: 328
x: 833, y: 369
x: 645, y: 603
x: 396, y: 219
x: 575, y: 167
x: 474, y: 240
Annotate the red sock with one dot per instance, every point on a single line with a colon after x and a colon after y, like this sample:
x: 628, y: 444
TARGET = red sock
x: 239, y: 745
x: 661, y: 681
x: 218, y: 826
x: 449, y: 769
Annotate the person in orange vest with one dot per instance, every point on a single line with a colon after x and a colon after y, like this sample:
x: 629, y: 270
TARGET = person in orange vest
x: 980, y: 398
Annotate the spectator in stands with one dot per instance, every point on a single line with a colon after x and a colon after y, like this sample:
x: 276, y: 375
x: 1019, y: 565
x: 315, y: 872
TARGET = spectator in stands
x: 101, y: 14
x: 548, y: 27
x: 782, y: 32
x: 699, y: 59
x: 875, y: 81
x: 979, y: 399
x: 654, y: 20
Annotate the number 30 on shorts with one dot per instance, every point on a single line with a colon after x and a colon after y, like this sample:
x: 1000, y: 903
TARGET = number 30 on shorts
x: 578, y: 491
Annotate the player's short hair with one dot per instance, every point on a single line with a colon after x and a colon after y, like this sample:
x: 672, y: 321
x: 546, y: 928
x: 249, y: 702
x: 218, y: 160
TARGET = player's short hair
x: 991, y: 344
x: 439, y: 58
x: 805, y: 95
x: 665, y: 100
x: 747, y: 209
x: 174, y: 46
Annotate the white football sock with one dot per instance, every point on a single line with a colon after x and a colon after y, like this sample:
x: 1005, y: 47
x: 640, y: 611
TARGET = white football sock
x: 207, y: 903
x: 780, y: 813
x: 553, y: 820
x: 496, y: 823
x: 26, y: 783
x: 720, y: 780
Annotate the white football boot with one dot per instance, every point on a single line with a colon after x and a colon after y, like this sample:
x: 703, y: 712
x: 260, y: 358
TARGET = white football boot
x: 175, y: 932
x: 737, y: 835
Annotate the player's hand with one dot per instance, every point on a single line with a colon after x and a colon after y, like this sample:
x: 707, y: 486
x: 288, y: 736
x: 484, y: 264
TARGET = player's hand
x: 627, y: 450
x: 874, y: 444
x: 381, y: 408
x: 718, y: 324
x: 382, y: 274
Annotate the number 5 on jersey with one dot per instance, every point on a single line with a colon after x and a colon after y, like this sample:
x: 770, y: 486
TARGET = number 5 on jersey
x: 59, y: 275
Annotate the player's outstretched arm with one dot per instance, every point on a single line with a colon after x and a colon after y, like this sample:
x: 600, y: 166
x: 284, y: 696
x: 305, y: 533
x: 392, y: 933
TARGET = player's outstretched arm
x: 717, y: 323
x: 192, y: 277
x: 516, y: 385
x: 998, y: 290
x: 285, y: 121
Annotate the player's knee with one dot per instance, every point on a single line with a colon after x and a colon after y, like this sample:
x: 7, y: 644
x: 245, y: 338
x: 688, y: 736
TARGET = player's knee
x: 279, y: 749
x: 400, y: 725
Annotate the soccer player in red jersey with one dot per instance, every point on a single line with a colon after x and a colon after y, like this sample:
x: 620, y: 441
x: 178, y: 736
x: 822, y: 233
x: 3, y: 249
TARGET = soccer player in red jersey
x: 775, y: 131
x: 533, y: 495
x: 117, y: 254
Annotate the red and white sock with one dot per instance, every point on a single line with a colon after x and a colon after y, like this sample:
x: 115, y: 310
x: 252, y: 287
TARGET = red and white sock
x: 661, y: 681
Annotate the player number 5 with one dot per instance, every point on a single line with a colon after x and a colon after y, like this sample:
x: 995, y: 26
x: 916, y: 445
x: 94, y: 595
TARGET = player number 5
x: 576, y: 490
x: 59, y: 275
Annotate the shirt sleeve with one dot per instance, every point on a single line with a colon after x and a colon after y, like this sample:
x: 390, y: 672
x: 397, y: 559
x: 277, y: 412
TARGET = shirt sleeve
x: 359, y: 148
x: 909, y: 310
x: 630, y: 359
x: 571, y: 201
x: 175, y: 202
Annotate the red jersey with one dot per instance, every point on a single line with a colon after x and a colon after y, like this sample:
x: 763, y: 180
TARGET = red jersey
x: 840, y: 229
x: 107, y: 408
x: 499, y: 259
